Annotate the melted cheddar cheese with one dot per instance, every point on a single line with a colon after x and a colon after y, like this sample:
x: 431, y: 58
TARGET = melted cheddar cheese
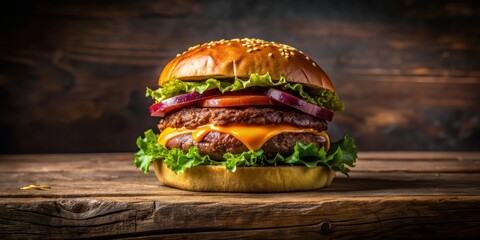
x: 251, y: 136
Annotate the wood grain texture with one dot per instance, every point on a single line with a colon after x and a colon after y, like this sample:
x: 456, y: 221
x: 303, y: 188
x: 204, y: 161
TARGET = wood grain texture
x: 103, y: 196
x: 73, y: 73
x: 229, y: 219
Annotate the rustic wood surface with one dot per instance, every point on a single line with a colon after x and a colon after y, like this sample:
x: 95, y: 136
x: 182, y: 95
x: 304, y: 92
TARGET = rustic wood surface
x: 389, y: 194
x: 73, y: 73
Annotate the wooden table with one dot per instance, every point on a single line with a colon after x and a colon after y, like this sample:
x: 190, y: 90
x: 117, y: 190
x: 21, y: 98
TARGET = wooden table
x: 389, y: 194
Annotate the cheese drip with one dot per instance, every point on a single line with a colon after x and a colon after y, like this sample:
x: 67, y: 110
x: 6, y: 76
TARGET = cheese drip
x: 251, y: 136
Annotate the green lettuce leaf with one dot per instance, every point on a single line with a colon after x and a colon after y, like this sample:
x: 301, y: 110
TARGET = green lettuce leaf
x: 321, y: 97
x: 341, y: 155
x: 175, y: 159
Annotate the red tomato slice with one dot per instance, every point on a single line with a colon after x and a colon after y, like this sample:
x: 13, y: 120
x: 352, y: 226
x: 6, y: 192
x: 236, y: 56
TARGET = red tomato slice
x: 236, y: 100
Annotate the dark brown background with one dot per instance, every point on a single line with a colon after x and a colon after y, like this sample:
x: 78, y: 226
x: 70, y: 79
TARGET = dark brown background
x: 73, y: 73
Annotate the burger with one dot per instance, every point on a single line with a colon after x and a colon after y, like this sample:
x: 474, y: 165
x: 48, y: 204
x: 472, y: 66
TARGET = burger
x: 244, y: 115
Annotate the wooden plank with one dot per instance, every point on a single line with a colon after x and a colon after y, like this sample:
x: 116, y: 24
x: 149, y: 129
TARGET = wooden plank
x: 418, y: 156
x: 104, y: 196
x: 136, y: 184
x: 178, y: 218
x: 80, y: 175
x: 435, y: 162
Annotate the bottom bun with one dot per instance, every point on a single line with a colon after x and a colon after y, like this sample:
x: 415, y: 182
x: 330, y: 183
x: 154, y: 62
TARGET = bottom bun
x: 209, y: 178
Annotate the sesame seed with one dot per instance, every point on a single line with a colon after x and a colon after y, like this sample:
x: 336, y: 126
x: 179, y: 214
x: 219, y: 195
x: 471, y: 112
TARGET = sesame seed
x: 307, y: 58
x: 255, y: 49
x: 291, y: 53
x: 228, y: 44
x: 270, y: 54
x: 208, y: 47
x: 249, y: 50
x: 286, y: 57
x: 178, y: 54
x: 314, y: 64
x: 282, y: 53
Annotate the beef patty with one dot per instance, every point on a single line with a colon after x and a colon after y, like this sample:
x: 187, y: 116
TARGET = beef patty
x: 215, y: 144
x: 194, y: 117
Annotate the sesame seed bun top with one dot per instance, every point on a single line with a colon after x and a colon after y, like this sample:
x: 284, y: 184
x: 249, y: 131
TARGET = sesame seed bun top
x: 242, y: 57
